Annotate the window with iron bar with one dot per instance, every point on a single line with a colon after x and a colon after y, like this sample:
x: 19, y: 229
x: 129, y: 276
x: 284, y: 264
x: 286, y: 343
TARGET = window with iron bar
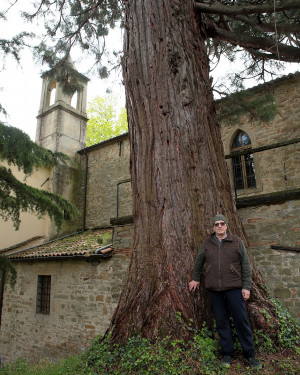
x: 243, y: 165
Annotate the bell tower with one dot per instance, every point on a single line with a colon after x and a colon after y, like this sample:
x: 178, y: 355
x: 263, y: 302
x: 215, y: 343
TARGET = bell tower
x: 61, y: 127
x: 62, y: 118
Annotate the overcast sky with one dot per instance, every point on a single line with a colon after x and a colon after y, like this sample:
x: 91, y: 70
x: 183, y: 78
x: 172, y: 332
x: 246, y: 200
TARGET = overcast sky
x: 21, y: 85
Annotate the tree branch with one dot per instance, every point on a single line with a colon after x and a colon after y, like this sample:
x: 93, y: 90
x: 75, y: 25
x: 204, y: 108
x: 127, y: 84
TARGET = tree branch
x: 18, y: 149
x: 16, y: 196
x: 265, y: 56
x: 269, y: 27
x: 217, y: 8
x: 286, y: 53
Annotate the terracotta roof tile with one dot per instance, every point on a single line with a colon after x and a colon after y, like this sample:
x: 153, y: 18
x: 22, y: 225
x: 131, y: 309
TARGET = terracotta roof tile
x: 82, y: 244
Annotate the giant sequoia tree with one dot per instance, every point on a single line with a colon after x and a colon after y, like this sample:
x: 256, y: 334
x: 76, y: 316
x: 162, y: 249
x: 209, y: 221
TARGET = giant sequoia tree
x: 179, y: 175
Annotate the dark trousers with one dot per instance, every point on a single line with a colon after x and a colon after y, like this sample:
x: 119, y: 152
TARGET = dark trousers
x: 224, y: 304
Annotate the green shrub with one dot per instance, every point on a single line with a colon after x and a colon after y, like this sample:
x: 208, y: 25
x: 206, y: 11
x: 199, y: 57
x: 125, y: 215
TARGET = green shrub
x: 165, y: 356
x: 289, y: 328
x: 284, y: 331
x: 204, y: 348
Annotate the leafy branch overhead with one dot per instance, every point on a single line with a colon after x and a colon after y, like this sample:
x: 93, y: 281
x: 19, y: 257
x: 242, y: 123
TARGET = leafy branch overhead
x: 15, y: 196
x: 74, y: 22
x: 266, y: 29
x: 65, y: 73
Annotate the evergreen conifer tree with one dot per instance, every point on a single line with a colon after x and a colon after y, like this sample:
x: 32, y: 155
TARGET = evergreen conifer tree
x: 17, y: 149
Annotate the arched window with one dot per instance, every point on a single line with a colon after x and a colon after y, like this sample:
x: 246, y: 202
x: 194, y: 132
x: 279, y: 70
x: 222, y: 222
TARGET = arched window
x: 52, y: 93
x: 74, y: 100
x: 243, y: 165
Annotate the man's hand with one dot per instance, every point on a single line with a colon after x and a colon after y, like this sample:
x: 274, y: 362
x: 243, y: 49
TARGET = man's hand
x: 246, y: 294
x: 193, y: 285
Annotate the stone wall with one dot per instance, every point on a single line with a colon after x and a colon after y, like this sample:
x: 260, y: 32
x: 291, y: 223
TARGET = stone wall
x: 123, y: 236
x: 108, y: 182
x: 62, y: 128
x: 276, y: 224
x: 276, y: 169
x: 83, y: 298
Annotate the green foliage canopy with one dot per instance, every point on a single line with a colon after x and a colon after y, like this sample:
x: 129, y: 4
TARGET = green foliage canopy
x: 15, y: 196
x: 17, y: 148
x: 265, y: 33
x: 265, y: 30
x: 105, y: 122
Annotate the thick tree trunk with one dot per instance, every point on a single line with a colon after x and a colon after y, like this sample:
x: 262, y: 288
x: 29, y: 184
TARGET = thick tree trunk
x: 179, y: 174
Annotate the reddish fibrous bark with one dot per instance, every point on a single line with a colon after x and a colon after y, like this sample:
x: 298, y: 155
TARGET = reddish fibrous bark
x: 179, y: 174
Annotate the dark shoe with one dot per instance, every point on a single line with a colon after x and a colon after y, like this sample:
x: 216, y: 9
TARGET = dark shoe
x: 254, y: 363
x: 226, y: 360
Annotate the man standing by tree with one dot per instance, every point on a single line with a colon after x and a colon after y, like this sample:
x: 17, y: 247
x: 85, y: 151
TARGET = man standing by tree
x: 178, y: 169
x: 225, y: 264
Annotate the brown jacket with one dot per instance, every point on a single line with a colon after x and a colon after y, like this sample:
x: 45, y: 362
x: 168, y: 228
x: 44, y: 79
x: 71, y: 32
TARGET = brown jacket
x: 222, y: 269
x: 224, y: 265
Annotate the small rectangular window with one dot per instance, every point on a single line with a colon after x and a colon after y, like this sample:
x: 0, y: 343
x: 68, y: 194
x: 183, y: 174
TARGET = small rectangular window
x: 43, y: 294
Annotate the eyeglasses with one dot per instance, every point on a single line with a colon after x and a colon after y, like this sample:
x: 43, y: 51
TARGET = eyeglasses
x: 220, y: 224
